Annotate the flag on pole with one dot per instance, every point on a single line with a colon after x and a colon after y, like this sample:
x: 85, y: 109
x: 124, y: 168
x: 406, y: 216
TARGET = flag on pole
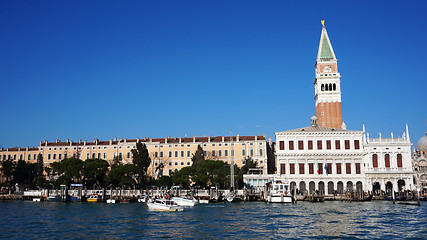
x: 318, y: 169
x: 326, y: 169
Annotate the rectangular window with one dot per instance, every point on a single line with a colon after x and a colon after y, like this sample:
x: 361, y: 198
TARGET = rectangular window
x: 291, y: 145
x: 319, y: 144
x: 329, y: 167
x: 357, y: 168
x: 301, y: 168
x: 128, y: 154
x: 252, y: 152
x: 300, y: 145
x: 156, y: 154
x: 226, y: 153
x: 347, y: 144
x: 348, y: 168
x: 320, y: 168
x: 59, y: 156
x: 337, y: 144
x: 328, y: 144
x: 188, y: 153
x: 29, y: 156
x: 176, y: 154
x: 54, y: 156
x: 219, y: 153
x: 399, y: 160
x: 182, y: 154
x: 356, y: 144
x: 65, y: 155
x: 120, y: 155
x: 213, y: 153
x: 282, y: 145
x: 87, y: 155
x: 243, y: 152
x: 260, y: 152
x: 170, y: 154
x: 105, y: 155
x: 48, y: 156
x: 310, y: 144
x: 291, y: 168
x: 338, y: 168
x: 161, y: 154
x: 311, y: 168
x: 282, y: 168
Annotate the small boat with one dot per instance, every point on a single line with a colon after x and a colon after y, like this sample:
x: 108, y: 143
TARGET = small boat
x: 94, y: 198
x: 54, y: 198
x: 36, y: 199
x: 278, y: 192
x: 111, y: 200
x: 164, y: 205
x: 204, y: 199
x: 143, y: 199
x: 232, y: 197
x: 185, y: 201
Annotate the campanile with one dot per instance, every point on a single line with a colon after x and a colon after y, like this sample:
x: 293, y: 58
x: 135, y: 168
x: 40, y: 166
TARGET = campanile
x: 327, y: 85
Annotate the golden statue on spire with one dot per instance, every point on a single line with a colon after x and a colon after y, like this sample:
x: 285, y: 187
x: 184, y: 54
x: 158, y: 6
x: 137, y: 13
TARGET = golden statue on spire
x: 323, y: 23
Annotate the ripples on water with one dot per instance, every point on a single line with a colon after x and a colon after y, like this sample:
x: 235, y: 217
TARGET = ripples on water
x: 255, y: 220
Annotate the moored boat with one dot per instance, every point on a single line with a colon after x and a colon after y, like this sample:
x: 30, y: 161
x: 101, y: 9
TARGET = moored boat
x: 164, y: 205
x: 185, y: 201
x: 94, y: 198
x: 204, y: 199
x: 54, y: 198
x: 279, y: 192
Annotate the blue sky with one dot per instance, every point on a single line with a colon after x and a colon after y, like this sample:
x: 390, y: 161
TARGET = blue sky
x: 105, y: 69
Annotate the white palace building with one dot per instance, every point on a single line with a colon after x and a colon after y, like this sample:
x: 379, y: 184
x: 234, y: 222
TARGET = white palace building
x: 329, y: 158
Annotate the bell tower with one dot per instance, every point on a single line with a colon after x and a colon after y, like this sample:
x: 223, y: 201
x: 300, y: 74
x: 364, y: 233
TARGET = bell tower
x: 327, y: 85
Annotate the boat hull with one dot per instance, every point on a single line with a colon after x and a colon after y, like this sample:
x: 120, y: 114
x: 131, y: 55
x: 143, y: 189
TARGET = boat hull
x: 159, y: 207
x: 280, y: 199
x: 185, y: 202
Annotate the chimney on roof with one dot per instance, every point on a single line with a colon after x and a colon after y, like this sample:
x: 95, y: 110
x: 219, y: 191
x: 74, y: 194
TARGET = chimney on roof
x: 71, y: 143
x: 57, y: 140
x: 151, y: 140
x: 222, y: 138
x: 26, y: 149
x: 179, y: 140
x: 125, y: 140
x: 237, y: 137
x: 68, y: 140
x: 40, y: 143
x: 263, y: 134
x: 80, y: 141
x: 256, y: 138
x: 115, y: 139
x: 166, y: 140
x: 138, y: 140
x: 209, y: 139
x: 194, y: 138
x: 111, y: 142
x: 85, y: 142
x: 45, y: 142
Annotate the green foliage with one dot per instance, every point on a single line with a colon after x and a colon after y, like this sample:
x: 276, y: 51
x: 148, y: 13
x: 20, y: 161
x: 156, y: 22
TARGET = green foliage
x: 142, y: 160
x: 164, y: 181
x: 182, y: 177
x: 7, y: 167
x: 24, y: 173
x: 122, y: 175
x: 197, y: 157
x: 211, y: 172
x: 39, y: 165
x: 94, y: 172
x: 250, y: 163
x: 42, y: 182
x: 69, y: 170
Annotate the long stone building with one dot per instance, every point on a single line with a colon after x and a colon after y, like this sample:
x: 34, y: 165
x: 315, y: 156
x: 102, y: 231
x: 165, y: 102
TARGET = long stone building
x: 173, y: 153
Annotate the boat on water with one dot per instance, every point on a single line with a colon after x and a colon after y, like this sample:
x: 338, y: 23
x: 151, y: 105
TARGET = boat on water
x: 185, y: 201
x: 111, y: 200
x: 164, y: 205
x: 232, y: 197
x: 204, y: 199
x: 143, y: 199
x: 36, y: 199
x: 279, y: 192
x: 54, y: 198
x: 94, y: 198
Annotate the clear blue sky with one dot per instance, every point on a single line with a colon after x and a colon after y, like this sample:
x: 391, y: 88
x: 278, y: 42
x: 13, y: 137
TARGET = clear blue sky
x: 105, y: 69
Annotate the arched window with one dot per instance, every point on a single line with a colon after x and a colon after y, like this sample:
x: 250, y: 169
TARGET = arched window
x: 334, y: 87
x: 399, y: 160
x: 326, y: 87
x: 387, y: 160
x: 375, y: 160
x: 323, y: 87
x: 330, y: 86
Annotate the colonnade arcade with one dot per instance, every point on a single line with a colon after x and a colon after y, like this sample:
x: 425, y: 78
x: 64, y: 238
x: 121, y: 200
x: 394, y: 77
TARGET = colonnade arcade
x: 327, y: 187
x: 388, y: 185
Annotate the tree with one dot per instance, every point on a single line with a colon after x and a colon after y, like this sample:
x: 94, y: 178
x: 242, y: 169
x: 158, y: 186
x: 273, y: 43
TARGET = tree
x: 7, y: 167
x: 250, y: 163
x: 183, y: 177
x: 211, y: 172
x: 23, y: 172
x: 122, y: 175
x: 164, y: 181
x: 39, y: 165
x: 142, y: 160
x: 94, y: 172
x: 69, y: 170
x: 198, y: 156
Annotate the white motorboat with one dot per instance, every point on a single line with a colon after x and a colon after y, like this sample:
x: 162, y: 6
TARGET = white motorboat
x: 111, y: 200
x: 143, y: 199
x: 54, y: 198
x: 185, y: 201
x: 36, y: 199
x: 278, y: 192
x: 204, y: 199
x: 232, y: 197
x: 164, y: 205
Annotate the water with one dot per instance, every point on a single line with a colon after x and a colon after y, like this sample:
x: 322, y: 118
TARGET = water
x: 254, y: 220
